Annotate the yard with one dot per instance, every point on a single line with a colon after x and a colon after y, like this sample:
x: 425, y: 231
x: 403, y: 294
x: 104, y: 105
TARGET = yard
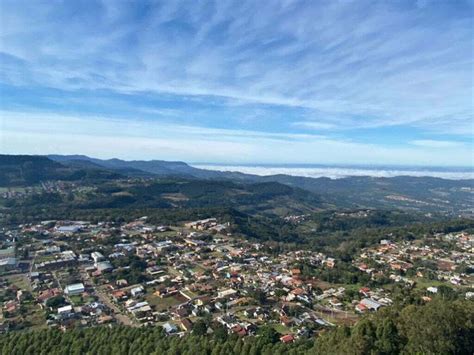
x: 19, y: 280
x: 162, y: 304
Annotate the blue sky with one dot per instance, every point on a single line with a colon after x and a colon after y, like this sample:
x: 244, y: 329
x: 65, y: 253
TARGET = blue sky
x: 358, y: 82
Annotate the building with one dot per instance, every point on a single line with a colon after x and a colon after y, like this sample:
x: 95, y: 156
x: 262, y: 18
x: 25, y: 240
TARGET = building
x: 7, y: 264
x: 226, y: 293
x: 137, y: 291
x: 69, y: 229
x: 202, y: 224
x: 104, y: 266
x: 7, y: 259
x: 288, y: 338
x: 97, y: 256
x: 170, y: 328
x: 370, y: 304
x: 65, y: 310
x: 74, y: 289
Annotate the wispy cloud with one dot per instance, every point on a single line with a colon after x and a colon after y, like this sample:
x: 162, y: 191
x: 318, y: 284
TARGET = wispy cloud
x: 279, y: 66
x: 315, y: 125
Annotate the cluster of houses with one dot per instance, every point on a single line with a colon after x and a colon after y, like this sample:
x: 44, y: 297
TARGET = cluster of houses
x: 139, y: 274
x: 431, y: 259
x: 49, y: 187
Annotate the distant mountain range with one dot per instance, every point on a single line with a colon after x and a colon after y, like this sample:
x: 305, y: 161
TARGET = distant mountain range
x: 139, y: 168
x: 425, y: 194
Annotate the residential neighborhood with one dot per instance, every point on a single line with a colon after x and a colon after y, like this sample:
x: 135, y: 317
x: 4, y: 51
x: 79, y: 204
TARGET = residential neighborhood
x: 66, y: 274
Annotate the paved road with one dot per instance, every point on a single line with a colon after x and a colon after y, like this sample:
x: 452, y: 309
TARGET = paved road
x: 122, y: 318
x: 105, y: 299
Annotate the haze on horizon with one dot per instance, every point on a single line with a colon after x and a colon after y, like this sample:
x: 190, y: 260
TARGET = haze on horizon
x: 330, y: 82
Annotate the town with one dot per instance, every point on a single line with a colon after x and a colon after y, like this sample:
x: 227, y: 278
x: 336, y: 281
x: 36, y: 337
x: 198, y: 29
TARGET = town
x: 198, y: 277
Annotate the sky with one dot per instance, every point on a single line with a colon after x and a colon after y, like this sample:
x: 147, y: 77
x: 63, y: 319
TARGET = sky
x: 331, y: 82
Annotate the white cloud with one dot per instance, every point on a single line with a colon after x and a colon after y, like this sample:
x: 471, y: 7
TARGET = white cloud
x: 389, y: 65
x: 314, y: 125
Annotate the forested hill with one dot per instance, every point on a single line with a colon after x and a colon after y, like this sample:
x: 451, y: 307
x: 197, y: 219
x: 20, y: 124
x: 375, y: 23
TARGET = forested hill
x: 132, y: 168
x: 25, y: 170
x: 424, y: 194
x: 420, y: 194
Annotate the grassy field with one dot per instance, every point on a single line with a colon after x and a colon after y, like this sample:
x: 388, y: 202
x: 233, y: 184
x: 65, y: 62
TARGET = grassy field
x: 36, y: 317
x: 422, y: 283
x: 79, y: 300
x: 162, y: 304
x: 19, y: 280
x: 12, y: 189
x: 280, y: 328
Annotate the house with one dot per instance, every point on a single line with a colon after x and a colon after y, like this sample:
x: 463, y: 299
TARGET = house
x: 11, y: 306
x: 47, y: 294
x: 196, y: 311
x: 239, y: 330
x: 121, y: 283
x: 365, y: 291
x: 400, y: 265
x: 170, y: 328
x: 330, y: 262
x: 288, y: 338
x: 361, y: 308
x: 119, y: 295
x: 137, y: 291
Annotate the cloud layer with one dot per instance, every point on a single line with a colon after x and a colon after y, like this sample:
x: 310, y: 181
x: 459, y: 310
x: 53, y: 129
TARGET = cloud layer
x: 339, y: 172
x: 105, y: 137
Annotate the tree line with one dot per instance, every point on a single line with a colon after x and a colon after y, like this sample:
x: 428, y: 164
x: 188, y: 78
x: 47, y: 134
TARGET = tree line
x: 438, y: 327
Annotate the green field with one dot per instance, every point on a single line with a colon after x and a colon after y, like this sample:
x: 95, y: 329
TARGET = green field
x: 162, y: 304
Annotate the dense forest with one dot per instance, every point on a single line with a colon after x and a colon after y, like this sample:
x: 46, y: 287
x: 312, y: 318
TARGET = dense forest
x: 439, y: 327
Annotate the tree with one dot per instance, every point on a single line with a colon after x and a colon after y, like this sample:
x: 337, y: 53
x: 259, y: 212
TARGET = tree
x: 388, y: 340
x: 55, y: 301
x: 199, y: 328
x: 267, y: 335
x: 363, y: 336
x: 220, y: 333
